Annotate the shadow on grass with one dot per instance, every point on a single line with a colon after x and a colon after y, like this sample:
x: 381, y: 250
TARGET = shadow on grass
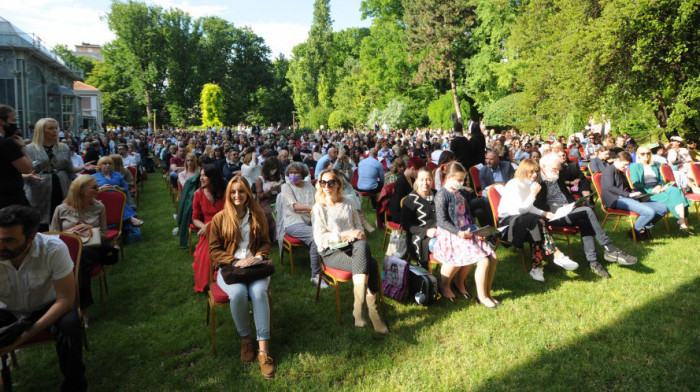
x: 654, y: 348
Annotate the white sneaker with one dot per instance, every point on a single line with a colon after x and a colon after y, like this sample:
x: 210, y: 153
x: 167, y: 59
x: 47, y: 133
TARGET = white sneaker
x: 314, y: 280
x: 537, y: 274
x: 565, y: 262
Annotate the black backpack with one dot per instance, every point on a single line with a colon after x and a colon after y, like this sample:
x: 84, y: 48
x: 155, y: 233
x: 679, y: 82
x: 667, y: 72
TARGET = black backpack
x: 422, y: 286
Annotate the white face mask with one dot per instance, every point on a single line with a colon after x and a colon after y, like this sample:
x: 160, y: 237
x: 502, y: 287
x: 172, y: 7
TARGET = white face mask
x: 453, y: 184
x: 528, y: 182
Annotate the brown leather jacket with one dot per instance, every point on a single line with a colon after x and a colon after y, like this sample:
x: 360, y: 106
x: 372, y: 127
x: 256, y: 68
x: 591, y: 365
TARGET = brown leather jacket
x: 221, y: 250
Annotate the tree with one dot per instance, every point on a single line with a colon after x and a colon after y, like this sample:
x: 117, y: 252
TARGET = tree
x: 211, y: 102
x: 84, y: 63
x: 433, y: 32
x: 137, y: 27
x: 440, y: 111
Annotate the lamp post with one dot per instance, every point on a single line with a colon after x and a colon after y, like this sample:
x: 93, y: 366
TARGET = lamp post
x: 154, y: 119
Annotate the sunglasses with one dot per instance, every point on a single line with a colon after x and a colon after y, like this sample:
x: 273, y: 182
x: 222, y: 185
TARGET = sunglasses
x: 329, y: 184
x: 644, y: 153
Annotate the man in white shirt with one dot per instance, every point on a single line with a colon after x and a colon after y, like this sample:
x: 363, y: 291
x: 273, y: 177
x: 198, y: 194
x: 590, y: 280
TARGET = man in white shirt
x: 39, y: 286
x: 127, y: 159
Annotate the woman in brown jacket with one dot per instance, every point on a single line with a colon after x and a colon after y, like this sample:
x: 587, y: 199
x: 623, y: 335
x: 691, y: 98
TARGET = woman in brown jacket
x: 238, y: 236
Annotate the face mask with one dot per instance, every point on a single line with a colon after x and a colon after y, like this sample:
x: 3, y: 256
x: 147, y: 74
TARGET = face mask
x: 453, y: 184
x: 10, y: 129
x: 294, y: 178
x: 528, y: 182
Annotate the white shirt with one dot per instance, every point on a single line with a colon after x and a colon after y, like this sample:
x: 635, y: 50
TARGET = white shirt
x: 30, y: 288
x: 243, y: 250
x: 130, y: 160
x: 77, y: 160
x: 516, y: 199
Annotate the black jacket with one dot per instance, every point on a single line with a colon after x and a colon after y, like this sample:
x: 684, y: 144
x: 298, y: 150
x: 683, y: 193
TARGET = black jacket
x: 614, y: 185
x: 463, y: 151
x: 417, y: 216
x: 541, y: 198
x: 401, y: 189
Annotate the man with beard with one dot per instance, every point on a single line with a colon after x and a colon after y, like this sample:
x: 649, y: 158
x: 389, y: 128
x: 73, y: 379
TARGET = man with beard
x: 14, y: 160
x: 49, y: 302
x: 555, y: 194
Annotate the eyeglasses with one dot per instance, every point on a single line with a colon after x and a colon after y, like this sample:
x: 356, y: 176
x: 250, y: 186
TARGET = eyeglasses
x: 329, y: 184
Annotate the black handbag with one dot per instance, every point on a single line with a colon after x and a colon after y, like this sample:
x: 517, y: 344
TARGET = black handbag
x: 251, y: 273
x: 10, y: 333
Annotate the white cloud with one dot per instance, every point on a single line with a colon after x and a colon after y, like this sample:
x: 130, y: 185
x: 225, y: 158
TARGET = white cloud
x: 281, y: 37
x: 195, y: 10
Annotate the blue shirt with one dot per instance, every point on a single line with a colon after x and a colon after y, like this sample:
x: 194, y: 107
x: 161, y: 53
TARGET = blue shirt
x: 116, y: 179
x: 320, y: 164
x: 497, y: 176
x: 369, y: 173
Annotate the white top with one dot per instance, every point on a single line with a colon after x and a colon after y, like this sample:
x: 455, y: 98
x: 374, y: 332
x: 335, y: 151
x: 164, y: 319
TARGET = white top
x: 292, y: 194
x: 130, y: 160
x: 329, y: 222
x: 243, y: 250
x: 30, y: 288
x: 77, y: 160
x: 516, y: 199
x: 251, y: 172
x: 649, y: 176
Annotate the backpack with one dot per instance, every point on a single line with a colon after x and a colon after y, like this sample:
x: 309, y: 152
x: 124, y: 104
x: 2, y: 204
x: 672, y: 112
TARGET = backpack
x: 422, y: 286
x: 395, y: 284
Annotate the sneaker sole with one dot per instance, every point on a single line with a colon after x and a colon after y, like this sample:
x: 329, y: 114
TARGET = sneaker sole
x: 618, y: 260
x: 568, y: 267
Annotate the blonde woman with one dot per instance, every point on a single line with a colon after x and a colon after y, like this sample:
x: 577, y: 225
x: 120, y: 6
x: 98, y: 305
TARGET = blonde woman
x: 118, y: 167
x: 191, y: 169
x: 108, y: 179
x: 238, y: 236
x: 646, y: 177
x: 343, y: 245
x: 79, y: 214
x: 53, y: 170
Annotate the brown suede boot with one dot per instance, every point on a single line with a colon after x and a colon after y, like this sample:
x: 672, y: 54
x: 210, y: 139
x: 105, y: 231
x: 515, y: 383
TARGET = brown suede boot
x: 365, y: 223
x: 247, y: 350
x: 357, y: 308
x: 267, y: 365
x: 377, y: 322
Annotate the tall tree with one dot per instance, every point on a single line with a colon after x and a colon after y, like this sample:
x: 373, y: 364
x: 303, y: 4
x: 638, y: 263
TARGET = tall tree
x: 137, y: 27
x: 434, y: 30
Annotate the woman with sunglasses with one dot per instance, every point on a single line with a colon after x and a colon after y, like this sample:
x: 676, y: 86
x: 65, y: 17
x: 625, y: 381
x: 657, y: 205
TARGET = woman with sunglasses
x: 342, y: 244
x: 645, y: 175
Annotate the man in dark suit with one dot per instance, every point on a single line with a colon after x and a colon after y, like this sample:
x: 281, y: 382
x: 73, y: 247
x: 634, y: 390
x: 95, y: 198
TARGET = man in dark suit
x: 495, y: 171
x: 461, y: 147
x: 478, y: 143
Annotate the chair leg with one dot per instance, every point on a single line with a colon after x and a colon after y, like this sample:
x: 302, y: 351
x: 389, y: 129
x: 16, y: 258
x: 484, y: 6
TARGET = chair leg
x: 387, y: 233
x: 291, y: 260
x: 102, y: 297
x: 668, y: 229
x: 568, y: 244
x: 213, y: 331
x: 617, y: 223
x: 634, y: 233
x: 206, y: 321
x: 318, y: 286
x: 523, y: 257
x: 337, y: 301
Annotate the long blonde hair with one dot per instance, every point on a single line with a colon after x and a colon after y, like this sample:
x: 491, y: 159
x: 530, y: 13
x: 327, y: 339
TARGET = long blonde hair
x: 117, y: 163
x: 320, y: 195
x: 75, y: 197
x: 230, y: 222
x: 38, y: 139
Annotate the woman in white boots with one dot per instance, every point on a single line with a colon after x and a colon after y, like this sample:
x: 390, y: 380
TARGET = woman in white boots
x: 342, y: 243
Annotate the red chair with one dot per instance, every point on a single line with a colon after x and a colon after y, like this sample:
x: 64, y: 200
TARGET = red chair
x: 564, y: 233
x: 390, y: 226
x: 476, y: 180
x: 334, y: 277
x: 612, y: 211
x: 667, y: 175
x: 433, y: 261
x: 494, y: 200
x: 353, y: 182
x: 75, y: 248
x: 114, y: 202
x: 134, y: 192
x: 312, y: 170
x: 432, y: 166
x: 216, y: 297
x: 288, y: 244
x: 695, y: 197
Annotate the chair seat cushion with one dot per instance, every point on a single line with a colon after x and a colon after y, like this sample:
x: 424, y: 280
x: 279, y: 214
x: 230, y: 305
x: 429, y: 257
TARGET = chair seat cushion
x: 220, y: 297
x: 394, y: 226
x: 338, y: 273
x: 693, y: 196
x: 112, y: 234
x: 615, y: 211
x: 292, y: 240
x: 564, y: 230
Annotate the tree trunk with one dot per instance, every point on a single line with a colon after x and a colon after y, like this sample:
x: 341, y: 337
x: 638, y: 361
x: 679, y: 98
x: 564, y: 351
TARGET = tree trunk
x: 453, y: 86
x: 147, y: 93
x: 661, y: 112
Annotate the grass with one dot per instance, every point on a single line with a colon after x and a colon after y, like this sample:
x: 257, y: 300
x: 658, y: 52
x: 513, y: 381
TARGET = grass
x: 639, y: 330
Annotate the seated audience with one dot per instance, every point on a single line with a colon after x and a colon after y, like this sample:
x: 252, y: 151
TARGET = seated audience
x: 108, y: 180
x: 456, y: 248
x: 495, y: 171
x: 342, y: 244
x: 617, y: 194
x: 524, y: 220
x: 238, y: 236
x: 599, y: 161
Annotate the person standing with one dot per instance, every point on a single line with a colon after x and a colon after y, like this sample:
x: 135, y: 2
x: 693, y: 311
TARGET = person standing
x: 461, y: 147
x: 14, y: 160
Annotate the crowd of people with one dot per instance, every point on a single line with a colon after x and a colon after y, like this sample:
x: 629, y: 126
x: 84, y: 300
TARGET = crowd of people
x: 242, y: 189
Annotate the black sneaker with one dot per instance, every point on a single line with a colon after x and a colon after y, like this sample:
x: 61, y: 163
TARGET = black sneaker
x: 599, y: 270
x: 614, y: 255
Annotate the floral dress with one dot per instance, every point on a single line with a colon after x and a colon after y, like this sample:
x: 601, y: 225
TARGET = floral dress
x: 450, y: 249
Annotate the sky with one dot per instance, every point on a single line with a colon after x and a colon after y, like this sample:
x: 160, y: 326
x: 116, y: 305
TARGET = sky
x: 282, y: 23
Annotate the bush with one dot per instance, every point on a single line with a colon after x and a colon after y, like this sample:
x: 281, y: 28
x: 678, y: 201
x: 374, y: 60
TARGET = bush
x: 504, y: 112
x: 317, y: 116
x: 340, y: 119
x: 439, y: 110
x: 396, y: 114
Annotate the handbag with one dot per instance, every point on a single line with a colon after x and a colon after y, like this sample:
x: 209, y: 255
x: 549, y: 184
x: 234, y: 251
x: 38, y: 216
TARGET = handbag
x: 251, y: 273
x: 10, y: 333
x: 94, y: 240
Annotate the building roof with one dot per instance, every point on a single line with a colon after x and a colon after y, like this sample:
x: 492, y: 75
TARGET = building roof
x: 80, y: 86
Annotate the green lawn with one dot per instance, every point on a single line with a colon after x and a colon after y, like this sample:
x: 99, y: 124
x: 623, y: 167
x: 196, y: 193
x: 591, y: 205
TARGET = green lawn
x: 638, y: 331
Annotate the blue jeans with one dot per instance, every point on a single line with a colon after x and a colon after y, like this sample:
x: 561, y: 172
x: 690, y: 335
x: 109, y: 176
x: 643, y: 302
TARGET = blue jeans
x: 649, y: 212
x: 173, y: 179
x: 238, y: 294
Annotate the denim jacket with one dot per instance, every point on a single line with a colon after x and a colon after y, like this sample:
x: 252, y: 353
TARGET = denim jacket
x: 446, y: 209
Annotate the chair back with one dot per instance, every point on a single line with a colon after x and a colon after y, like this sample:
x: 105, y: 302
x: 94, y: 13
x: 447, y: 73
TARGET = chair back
x: 597, y: 185
x: 629, y: 178
x: 114, y: 202
x: 476, y: 181
x: 75, y: 250
x: 573, y: 159
x: 494, y: 201
x: 695, y: 172
x: 667, y: 174
x: 133, y: 171
x: 432, y: 166
x: 384, y: 199
x: 384, y: 164
x: 355, y: 177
